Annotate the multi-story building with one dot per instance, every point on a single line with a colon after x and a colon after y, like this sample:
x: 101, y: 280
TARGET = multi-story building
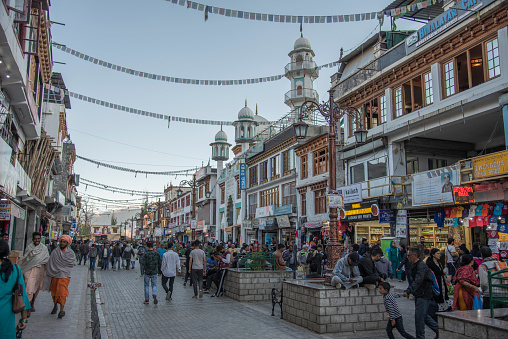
x: 206, y: 180
x: 181, y: 210
x: 429, y: 101
x: 27, y: 154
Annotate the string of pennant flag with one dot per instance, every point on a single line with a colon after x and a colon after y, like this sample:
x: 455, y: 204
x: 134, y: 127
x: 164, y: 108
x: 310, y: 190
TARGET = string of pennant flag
x: 144, y: 113
x: 119, y: 168
x: 417, y: 4
x: 290, y: 19
x: 172, y: 79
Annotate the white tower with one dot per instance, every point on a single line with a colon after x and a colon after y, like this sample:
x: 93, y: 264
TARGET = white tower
x: 220, y: 153
x: 301, y: 71
x: 245, y: 127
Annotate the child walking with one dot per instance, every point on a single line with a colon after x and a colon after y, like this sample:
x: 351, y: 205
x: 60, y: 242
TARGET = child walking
x: 394, y: 315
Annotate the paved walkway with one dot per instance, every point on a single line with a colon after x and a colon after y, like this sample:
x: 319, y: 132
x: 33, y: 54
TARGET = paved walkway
x: 122, y: 296
x: 44, y: 325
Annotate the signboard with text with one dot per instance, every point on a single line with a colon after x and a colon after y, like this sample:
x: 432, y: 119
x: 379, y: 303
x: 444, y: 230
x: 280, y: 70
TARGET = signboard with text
x: 243, y: 176
x: 386, y: 216
x: 5, y: 211
x: 435, y: 187
x: 461, y: 11
x: 266, y: 211
x: 463, y: 194
x: 351, y: 194
x: 491, y: 165
x: 362, y: 211
x: 401, y: 224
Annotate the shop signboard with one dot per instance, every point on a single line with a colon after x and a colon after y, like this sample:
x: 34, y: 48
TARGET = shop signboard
x: 386, y: 216
x: 351, y: 194
x: 193, y: 224
x: 401, y: 224
x: 270, y: 224
x: 283, y: 221
x: 492, y: 165
x: 435, y: 187
x: 255, y: 223
x: 335, y: 201
x: 286, y: 209
x: 262, y: 223
x: 461, y: 11
x: 362, y: 211
x: 267, y: 211
x: 247, y: 224
x: 463, y: 194
x: 243, y: 176
x: 200, y: 225
x: 5, y: 211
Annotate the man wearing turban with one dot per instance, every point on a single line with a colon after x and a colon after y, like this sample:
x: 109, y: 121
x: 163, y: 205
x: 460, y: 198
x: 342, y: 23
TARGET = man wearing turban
x: 58, y: 273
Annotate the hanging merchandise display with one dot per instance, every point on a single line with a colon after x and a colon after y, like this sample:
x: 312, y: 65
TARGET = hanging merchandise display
x: 290, y: 19
x: 176, y: 80
x: 118, y: 168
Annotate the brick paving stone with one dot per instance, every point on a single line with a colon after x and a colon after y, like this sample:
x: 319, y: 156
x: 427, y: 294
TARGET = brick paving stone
x: 75, y: 324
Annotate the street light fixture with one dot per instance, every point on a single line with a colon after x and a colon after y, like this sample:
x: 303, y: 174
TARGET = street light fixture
x: 333, y: 113
x: 179, y: 192
x: 193, y: 184
x: 208, y: 195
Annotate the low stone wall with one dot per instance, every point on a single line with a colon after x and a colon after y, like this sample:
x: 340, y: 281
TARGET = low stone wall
x: 473, y: 324
x: 325, y: 309
x: 243, y: 285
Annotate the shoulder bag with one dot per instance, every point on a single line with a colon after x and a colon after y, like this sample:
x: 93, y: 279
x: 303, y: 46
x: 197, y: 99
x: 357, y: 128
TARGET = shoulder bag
x: 18, y: 304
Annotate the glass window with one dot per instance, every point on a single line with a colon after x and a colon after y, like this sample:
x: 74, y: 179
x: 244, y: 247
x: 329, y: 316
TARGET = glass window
x: 449, y: 78
x: 357, y: 173
x: 437, y: 163
x: 304, y: 167
x: 321, y: 161
x: 382, y: 108
x: 412, y: 165
x: 376, y: 168
x: 269, y: 197
x: 494, y: 67
x: 304, y: 204
x: 398, y: 102
x: 289, y: 194
x: 429, y: 93
x: 252, y: 205
x: 320, y: 201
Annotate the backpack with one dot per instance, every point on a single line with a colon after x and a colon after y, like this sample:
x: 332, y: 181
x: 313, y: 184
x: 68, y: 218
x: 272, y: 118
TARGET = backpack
x: 435, y: 284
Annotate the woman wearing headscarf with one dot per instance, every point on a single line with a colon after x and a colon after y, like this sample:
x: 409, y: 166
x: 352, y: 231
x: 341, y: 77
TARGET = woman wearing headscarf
x: 58, y: 273
x: 435, y: 265
x: 394, y: 257
x: 9, y: 274
x: 466, y: 284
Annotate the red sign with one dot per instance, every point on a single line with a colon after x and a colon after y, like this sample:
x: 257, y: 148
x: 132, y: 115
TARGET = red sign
x: 463, y: 194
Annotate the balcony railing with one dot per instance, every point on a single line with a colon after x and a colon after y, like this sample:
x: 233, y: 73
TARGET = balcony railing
x: 303, y: 65
x: 305, y: 93
x: 389, y: 185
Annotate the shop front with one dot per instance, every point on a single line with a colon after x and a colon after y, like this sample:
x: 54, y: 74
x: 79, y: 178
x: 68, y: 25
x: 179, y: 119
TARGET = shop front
x: 286, y: 224
x: 312, y: 232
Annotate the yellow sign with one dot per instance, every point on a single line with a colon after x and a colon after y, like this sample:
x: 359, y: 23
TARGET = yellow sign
x: 359, y: 211
x: 490, y: 165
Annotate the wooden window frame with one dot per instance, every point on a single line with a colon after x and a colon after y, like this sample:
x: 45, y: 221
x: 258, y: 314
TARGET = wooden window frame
x: 427, y: 91
x: 303, y: 196
x: 486, y: 58
x: 253, y: 205
x: 395, y: 107
x: 291, y: 198
x: 445, y: 72
x: 263, y: 172
x: 253, y: 176
x: 304, y: 166
x: 285, y: 163
x: 269, y: 197
x: 321, y: 166
x: 320, y: 201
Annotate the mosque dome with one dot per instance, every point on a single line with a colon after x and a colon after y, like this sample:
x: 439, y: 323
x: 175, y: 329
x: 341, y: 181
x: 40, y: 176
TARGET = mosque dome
x: 221, y: 136
x: 302, y: 43
x: 245, y: 113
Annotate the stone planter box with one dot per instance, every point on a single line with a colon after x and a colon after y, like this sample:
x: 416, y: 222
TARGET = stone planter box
x: 325, y: 309
x: 245, y: 285
x: 473, y: 324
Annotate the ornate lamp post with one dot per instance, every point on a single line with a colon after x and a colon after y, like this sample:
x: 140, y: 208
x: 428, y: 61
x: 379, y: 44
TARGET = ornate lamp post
x: 135, y: 217
x: 333, y: 114
x: 193, y: 184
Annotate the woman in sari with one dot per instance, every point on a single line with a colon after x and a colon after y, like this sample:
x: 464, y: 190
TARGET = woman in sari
x: 394, y: 257
x: 466, y: 284
x: 434, y: 264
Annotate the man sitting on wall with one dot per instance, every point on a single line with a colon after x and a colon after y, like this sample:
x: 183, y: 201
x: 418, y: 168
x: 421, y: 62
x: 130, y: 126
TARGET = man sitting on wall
x: 346, y: 273
x: 368, y: 271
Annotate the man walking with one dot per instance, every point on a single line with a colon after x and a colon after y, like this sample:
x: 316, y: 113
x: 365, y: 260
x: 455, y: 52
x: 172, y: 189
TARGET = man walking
x: 83, y: 252
x: 33, y: 266
x: 141, y: 253
x: 117, y: 253
x: 170, y: 265
x: 302, y: 259
x: 421, y: 289
x: 197, y: 267
x: 187, y: 261
x: 127, y: 256
x: 92, y: 255
x: 152, y: 264
x: 106, y: 256
x: 58, y: 273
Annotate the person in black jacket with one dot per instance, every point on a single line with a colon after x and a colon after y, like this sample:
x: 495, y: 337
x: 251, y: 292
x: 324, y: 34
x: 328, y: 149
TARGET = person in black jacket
x: 421, y: 289
x: 371, y: 276
x: 363, y: 247
x: 315, y: 258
